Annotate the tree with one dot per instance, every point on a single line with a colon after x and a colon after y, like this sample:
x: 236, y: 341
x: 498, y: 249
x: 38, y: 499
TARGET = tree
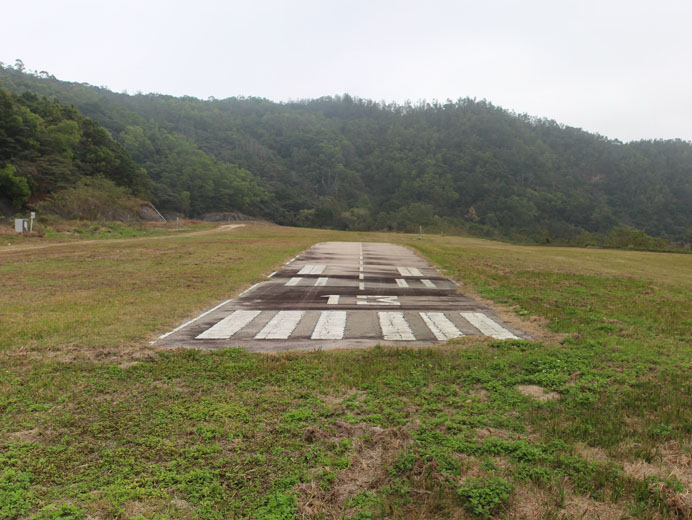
x: 16, y: 189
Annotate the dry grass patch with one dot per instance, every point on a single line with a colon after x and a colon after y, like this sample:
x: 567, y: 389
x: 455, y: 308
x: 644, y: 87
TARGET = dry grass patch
x: 374, y: 450
x: 581, y: 507
x: 537, y: 392
x: 529, y: 502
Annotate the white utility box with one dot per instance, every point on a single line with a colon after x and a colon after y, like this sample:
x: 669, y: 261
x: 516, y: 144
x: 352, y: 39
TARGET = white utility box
x: 21, y: 225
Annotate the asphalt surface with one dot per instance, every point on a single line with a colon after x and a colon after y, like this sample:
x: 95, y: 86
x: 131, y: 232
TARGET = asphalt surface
x: 343, y: 295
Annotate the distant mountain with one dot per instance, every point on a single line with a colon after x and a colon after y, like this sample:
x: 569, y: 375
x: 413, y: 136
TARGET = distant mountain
x: 355, y: 164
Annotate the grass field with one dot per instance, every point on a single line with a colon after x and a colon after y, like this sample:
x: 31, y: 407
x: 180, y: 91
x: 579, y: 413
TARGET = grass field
x: 591, y: 420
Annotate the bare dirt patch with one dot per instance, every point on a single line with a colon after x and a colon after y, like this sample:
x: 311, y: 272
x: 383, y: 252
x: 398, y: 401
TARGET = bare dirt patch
x: 479, y: 393
x: 336, y: 400
x: 25, y: 435
x: 537, y: 392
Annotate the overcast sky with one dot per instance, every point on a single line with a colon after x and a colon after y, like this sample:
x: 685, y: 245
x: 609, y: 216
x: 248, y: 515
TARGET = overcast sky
x: 618, y: 68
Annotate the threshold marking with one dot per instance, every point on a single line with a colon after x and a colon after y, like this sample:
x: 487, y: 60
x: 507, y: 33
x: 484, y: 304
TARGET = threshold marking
x: 487, y: 326
x: 401, y: 282
x: 395, y: 327
x: 321, y: 282
x: 332, y: 299
x: 293, y: 281
x: 429, y: 284
x: 229, y: 325
x: 312, y: 269
x: 440, y: 326
x: 331, y: 325
x: 281, y: 325
x: 361, y: 286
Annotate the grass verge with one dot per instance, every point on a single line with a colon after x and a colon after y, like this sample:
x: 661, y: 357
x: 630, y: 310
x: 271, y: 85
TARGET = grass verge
x: 591, y: 421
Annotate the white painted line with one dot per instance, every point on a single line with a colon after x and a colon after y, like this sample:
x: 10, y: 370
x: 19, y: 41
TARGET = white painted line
x: 312, y: 269
x: 487, y: 326
x: 229, y: 325
x: 415, y: 272
x: 271, y: 275
x: 291, y: 260
x: 429, y: 284
x: 361, y: 268
x: 361, y: 276
x: 321, y: 282
x: 281, y: 325
x: 248, y: 290
x: 394, y: 326
x: 332, y: 299
x: 331, y: 325
x: 440, y: 326
x: 162, y: 336
x: 366, y: 299
x: 361, y: 286
x: 293, y: 281
x: 404, y: 271
x: 401, y: 282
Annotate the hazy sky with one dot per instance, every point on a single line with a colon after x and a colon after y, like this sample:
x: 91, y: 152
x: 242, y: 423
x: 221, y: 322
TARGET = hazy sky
x: 619, y: 68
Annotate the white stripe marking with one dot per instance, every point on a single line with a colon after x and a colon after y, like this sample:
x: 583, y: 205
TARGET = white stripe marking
x: 271, y: 275
x: 429, y: 284
x: 394, y: 326
x: 404, y: 271
x: 333, y: 299
x: 331, y: 325
x: 440, y: 326
x: 361, y: 286
x: 487, y: 326
x: 162, y: 336
x: 312, y: 269
x: 293, y: 281
x: 229, y: 325
x: 361, y: 276
x: 320, y: 282
x: 281, y: 325
x: 415, y: 272
x: 401, y: 282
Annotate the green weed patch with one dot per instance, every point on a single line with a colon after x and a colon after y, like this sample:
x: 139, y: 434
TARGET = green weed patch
x: 94, y: 423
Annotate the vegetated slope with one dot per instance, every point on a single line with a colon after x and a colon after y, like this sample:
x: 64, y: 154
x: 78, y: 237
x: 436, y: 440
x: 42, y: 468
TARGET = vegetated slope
x: 46, y: 147
x: 356, y: 164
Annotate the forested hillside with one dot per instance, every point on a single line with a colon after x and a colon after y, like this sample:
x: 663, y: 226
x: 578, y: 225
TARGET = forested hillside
x: 46, y: 147
x: 356, y: 164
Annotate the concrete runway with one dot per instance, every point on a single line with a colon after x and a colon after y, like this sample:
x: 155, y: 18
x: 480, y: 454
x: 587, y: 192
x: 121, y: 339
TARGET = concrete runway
x: 340, y: 295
